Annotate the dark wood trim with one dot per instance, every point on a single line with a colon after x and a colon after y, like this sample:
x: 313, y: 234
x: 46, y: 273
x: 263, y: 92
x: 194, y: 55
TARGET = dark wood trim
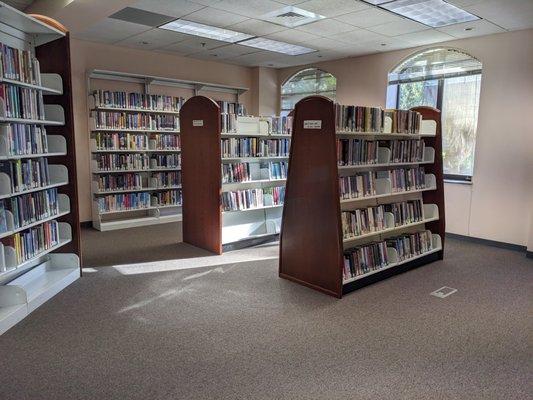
x: 201, y: 173
x: 529, y: 254
x: 311, y: 232
x: 435, y: 196
x: 54, y: 57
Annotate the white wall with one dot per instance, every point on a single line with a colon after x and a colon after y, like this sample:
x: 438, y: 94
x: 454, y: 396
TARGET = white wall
x: 497, y: 204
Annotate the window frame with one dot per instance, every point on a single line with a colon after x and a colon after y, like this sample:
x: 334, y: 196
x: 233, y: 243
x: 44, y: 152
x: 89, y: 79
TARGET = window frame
x: 317, y: 71
x: 440, y: 92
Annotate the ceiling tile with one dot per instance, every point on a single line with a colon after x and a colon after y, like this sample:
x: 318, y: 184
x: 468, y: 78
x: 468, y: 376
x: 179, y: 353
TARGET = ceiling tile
x: 143, y: 17
x: 333, y: 8
x: 110, y: 31
x: 398, y: 27
x: 257, y: 27
x: 509, y: 14
x: 322, y: 43
x: 194, y: 45
x: 261, y: 57
x: 293, y: 36
x: 479, y: 28
x: 356, y: 35
x: 325, y: 27
x: 248, y: 8
x: 153, y: 39
x: 231, y: 51
x: 174, y: 8
x: 369, y: 17
x: 291, y: 2
x: 213, y: 16
x: 464, y: 3
x: 428, y: 36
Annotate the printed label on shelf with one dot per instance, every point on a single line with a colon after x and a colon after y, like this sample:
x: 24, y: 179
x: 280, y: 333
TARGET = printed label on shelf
x: 197, y: 122
x: 312, y: 124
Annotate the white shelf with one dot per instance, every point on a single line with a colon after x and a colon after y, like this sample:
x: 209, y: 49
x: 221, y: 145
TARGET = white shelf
x: 46, y: 280
x: 431, y: 213
x: 57, y: 146
x: 129, y: 130
x: 46, y: 90
x: 139, y: 221
x: 244, y: 135
x: 139, y: 209
x: 147, y: 189
x: 253, y: 209
x: 383, y: 136
x: 252, y: 159
x: 253, y: 183
x: 384, y: 189
x: 31, y: 121
x: 437, y: 246
x: 135, y: 110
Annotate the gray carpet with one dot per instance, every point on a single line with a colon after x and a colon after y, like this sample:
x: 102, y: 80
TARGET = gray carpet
x: 237, y: 331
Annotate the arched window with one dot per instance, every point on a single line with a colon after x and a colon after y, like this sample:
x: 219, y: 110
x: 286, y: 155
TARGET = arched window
x: 449, y: 80
x: 305, y: 83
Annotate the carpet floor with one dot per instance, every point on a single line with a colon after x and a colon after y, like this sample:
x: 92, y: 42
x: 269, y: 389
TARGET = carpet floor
x: 233, y: 330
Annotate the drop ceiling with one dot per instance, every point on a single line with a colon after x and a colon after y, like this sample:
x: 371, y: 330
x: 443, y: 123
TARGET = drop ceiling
x: 349, y: 27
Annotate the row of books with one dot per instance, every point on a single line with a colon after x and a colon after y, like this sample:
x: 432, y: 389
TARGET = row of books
x: 245, y: 172
x: 113, y: 162
x: 358, y: 118
x: 371, y: 257
x: 27, y: 174
x: 21, y: 102
x: 239, y: 200
x: 136, y: 181
x: 33, y: 207
x: 362, y: 151
x: 121, y: 120
x: 165, y: 142
x: 138, y: 201
x: 227, y: 107
x: 120, y: 141
x: 254, y: 147
x: 30, y: 243
x: 279, y: 125
x: 24, y: 139
x: 363, y: 184
x: 141, y: 101
x: 19, y: 65
x: 372, y: 219
x: 228, y: 123
x: 350, y: 118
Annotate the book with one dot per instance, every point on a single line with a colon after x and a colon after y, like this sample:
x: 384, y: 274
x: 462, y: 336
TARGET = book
x: 24, y: 139
x: 27, y: 174
x: 33, y: 207
x: 252, y: 198
x: 360, y: 185
x: 254, y: 147
x: 19, y: 65
x: 140, y: 121
x: 21, y: 102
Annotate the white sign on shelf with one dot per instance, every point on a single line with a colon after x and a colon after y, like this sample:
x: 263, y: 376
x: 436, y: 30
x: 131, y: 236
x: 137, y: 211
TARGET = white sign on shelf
x: 197, y: 122
x: 312, y: 124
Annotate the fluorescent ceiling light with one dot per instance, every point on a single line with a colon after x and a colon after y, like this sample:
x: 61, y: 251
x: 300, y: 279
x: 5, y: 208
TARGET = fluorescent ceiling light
x: 291, y: 17
x: 207, y: 31
x: 376, y: 2
x: 434, y: 13
x: 278, y: 47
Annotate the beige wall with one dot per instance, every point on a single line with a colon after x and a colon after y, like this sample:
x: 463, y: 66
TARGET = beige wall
x: 497, y: 204
x: 87, y: 55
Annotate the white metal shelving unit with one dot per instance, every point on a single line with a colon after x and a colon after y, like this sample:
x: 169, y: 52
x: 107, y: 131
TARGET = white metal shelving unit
x: 262, y: 222
x: 26, y: 284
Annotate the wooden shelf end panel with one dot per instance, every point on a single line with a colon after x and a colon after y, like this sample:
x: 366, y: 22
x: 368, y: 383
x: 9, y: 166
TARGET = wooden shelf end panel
x: 311, y: 237
x: 201, y: 173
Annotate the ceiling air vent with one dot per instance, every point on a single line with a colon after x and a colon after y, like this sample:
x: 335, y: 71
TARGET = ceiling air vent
x: 291, y: 17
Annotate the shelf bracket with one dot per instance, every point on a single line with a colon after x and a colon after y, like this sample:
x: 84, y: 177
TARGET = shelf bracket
x: 197, y: 88
x: 147, y: 83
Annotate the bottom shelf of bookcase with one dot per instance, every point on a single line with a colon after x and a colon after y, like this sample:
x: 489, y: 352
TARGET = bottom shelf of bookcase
x: 253, y: 240
x: 396, y: 267
x: 27, y: 292
x: 162, y: 215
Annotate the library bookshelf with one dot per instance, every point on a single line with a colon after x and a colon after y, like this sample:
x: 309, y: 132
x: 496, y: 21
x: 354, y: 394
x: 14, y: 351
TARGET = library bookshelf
x: 313, y: 240
x: 30, y: 275
x: 212, y: 219
x: 140, y: 184
x: 135, y: 159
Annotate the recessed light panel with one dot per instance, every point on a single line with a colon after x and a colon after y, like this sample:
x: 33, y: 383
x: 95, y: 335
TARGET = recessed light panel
x: 207, y: 31
x: 276, y: 46
x: 434, y: 13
